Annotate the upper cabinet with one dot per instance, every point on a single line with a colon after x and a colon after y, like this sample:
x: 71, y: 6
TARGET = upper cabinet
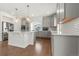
x: 25, y: 25
x: 46, y: 21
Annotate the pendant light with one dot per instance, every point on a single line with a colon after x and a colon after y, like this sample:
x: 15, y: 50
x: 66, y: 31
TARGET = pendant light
x: 16, y: 9
x: 28, y: 18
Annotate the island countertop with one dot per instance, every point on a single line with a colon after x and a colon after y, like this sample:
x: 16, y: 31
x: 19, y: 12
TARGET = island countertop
x: 64, y: 33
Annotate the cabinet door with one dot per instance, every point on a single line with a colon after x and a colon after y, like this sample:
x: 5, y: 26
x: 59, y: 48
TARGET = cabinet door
x: 46, y: 21
x: 65, y: 45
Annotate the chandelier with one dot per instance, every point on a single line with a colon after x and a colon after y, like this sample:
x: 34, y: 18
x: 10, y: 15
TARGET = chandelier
x: 16, y: 9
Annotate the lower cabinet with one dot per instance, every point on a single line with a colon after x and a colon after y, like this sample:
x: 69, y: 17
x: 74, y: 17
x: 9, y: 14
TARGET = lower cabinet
x: 45, y: 34
x: 65, y: 45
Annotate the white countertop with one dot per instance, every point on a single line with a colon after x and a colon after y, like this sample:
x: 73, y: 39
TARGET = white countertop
x: 65, y: 34
x: 62, y: 33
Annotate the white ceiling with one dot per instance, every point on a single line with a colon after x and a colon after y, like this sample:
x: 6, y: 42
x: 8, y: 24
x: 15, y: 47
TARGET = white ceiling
x: 35, y: 9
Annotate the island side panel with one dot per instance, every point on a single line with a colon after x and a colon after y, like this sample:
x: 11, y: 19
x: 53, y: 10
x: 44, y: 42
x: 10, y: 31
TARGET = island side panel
x: 65, y: 45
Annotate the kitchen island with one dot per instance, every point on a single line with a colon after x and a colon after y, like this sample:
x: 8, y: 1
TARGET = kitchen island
x: 66, y: 39
x: 64, y: 44
x: 21, y: 39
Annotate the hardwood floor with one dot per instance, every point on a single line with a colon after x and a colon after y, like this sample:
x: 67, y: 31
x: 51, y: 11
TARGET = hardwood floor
x: 42, y: 47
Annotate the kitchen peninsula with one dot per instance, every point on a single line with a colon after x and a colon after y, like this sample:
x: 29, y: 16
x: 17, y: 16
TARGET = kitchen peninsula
x: 65, y: 42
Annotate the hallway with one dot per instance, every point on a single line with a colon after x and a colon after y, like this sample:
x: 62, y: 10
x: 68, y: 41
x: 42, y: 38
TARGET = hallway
x: 42, y: 47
